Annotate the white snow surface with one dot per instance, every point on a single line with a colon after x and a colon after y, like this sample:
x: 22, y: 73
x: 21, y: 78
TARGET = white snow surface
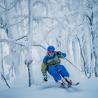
x: 87, y: 89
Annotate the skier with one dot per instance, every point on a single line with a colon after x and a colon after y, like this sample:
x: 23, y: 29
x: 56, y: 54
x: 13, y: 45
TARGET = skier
x: 51, y: 64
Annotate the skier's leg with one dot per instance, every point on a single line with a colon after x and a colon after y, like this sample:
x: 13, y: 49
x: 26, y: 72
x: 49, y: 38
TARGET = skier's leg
x: 53, y: 72
x: 57, y: 77
x: 64, y: 73
x: 69, y: 81
x: 62, y: 83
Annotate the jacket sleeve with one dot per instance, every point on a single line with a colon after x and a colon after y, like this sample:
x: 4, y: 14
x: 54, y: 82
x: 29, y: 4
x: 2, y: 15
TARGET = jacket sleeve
x: 44, y: 66
x: 61, y: 54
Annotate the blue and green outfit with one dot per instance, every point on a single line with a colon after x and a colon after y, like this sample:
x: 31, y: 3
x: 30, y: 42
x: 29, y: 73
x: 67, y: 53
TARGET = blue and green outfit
x: 53, y: 66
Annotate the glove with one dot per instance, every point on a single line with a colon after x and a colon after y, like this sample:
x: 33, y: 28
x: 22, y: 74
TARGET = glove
x: 59, y: 52
x: 45, y: 77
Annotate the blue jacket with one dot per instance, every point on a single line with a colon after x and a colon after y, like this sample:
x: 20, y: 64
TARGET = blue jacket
x: 52, y: 61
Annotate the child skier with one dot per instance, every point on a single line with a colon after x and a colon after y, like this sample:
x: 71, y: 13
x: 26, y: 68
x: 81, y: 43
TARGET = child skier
x: 51, y: 63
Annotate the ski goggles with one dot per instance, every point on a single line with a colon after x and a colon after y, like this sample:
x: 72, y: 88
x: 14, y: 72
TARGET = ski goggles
x: 51, y: 52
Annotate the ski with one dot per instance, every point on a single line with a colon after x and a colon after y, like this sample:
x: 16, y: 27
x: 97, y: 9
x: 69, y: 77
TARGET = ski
x: 75, y: 84
x: 69, y: 86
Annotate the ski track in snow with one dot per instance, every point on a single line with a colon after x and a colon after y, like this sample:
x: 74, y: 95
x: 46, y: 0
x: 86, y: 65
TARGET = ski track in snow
x: 87, y: 89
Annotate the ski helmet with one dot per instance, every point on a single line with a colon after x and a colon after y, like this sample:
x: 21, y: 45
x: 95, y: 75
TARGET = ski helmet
x: 50, y: 48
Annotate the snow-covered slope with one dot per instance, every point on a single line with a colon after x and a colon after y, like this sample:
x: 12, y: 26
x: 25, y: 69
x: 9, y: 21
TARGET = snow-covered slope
x: 87, y: 89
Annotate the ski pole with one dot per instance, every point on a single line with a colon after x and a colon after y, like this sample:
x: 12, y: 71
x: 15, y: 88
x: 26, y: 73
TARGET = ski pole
x: 73, y: 64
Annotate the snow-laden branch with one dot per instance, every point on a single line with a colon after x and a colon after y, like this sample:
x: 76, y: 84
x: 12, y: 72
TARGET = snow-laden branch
x: 2, y: 6
x: 39, y: 18
x: 25, y: 17
x: 90, y: 19
x: 5, y: 80
x: 10, y: 41
x: 81, y: 51
x: 42, y: 4
x: 14, y: 42
x: 15, y: 2
x: 40, y: 46
x: 21, y: 38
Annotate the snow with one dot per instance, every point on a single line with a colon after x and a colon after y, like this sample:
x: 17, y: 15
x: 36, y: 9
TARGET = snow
x: 86, y: 89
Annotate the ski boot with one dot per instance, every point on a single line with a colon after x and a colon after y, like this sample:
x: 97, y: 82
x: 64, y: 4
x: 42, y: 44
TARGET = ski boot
x: 63, y: 84
x: 69, y: 82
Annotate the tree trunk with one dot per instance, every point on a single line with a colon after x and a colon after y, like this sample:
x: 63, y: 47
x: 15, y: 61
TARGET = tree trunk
x: 29, y: 41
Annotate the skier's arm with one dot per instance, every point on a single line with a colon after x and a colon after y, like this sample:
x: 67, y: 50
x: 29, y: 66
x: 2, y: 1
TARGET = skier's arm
x: 44, y: 67
x: 61, y: 54
x: 44, y: 71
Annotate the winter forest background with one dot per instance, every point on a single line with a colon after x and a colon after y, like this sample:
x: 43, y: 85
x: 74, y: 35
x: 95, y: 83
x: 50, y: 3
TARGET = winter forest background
x: 27, y: 27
